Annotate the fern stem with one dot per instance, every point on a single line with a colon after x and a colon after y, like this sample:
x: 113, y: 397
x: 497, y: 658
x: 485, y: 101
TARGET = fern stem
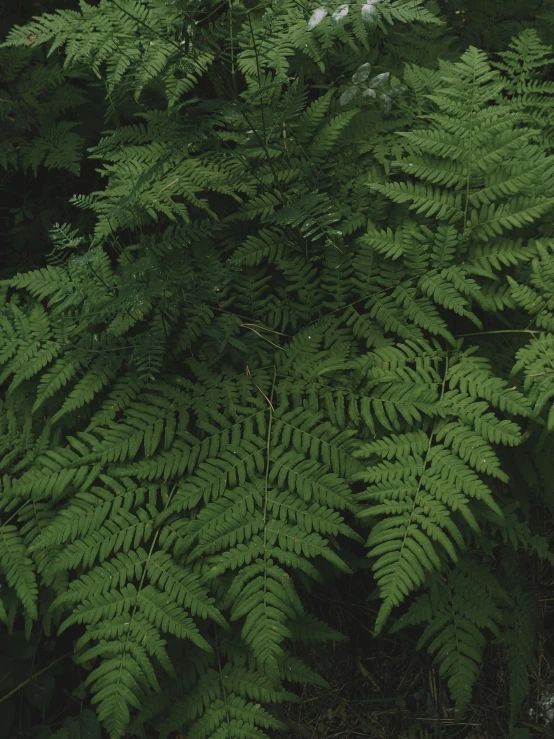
x: 499, y: 331
x: 233, y: 73
x: 268, y: 452
x: 266, y: 479
x: 30, y: 679
x: 132, y: 615
x: 469, y: 157
x: 221, y: 681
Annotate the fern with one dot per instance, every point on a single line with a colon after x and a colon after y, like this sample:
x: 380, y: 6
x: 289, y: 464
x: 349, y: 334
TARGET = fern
x: 521, y: 638
x: 457, y: 611
x: 427, y: 479
x: 249, y: 352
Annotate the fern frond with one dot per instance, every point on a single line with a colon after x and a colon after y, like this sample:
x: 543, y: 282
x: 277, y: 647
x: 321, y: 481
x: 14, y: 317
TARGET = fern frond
x: 17, y: 569
x: 424, y: 485
x: 457, y: 610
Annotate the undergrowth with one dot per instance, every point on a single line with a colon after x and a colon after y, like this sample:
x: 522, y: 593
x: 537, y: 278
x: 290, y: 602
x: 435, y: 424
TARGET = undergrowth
x: 296, y: 330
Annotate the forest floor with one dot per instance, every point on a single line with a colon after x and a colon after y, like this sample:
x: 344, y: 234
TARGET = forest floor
x: 385, y: 689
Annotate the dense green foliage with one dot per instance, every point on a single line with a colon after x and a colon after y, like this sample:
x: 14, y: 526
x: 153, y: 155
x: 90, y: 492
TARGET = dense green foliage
x: 298, y: 306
